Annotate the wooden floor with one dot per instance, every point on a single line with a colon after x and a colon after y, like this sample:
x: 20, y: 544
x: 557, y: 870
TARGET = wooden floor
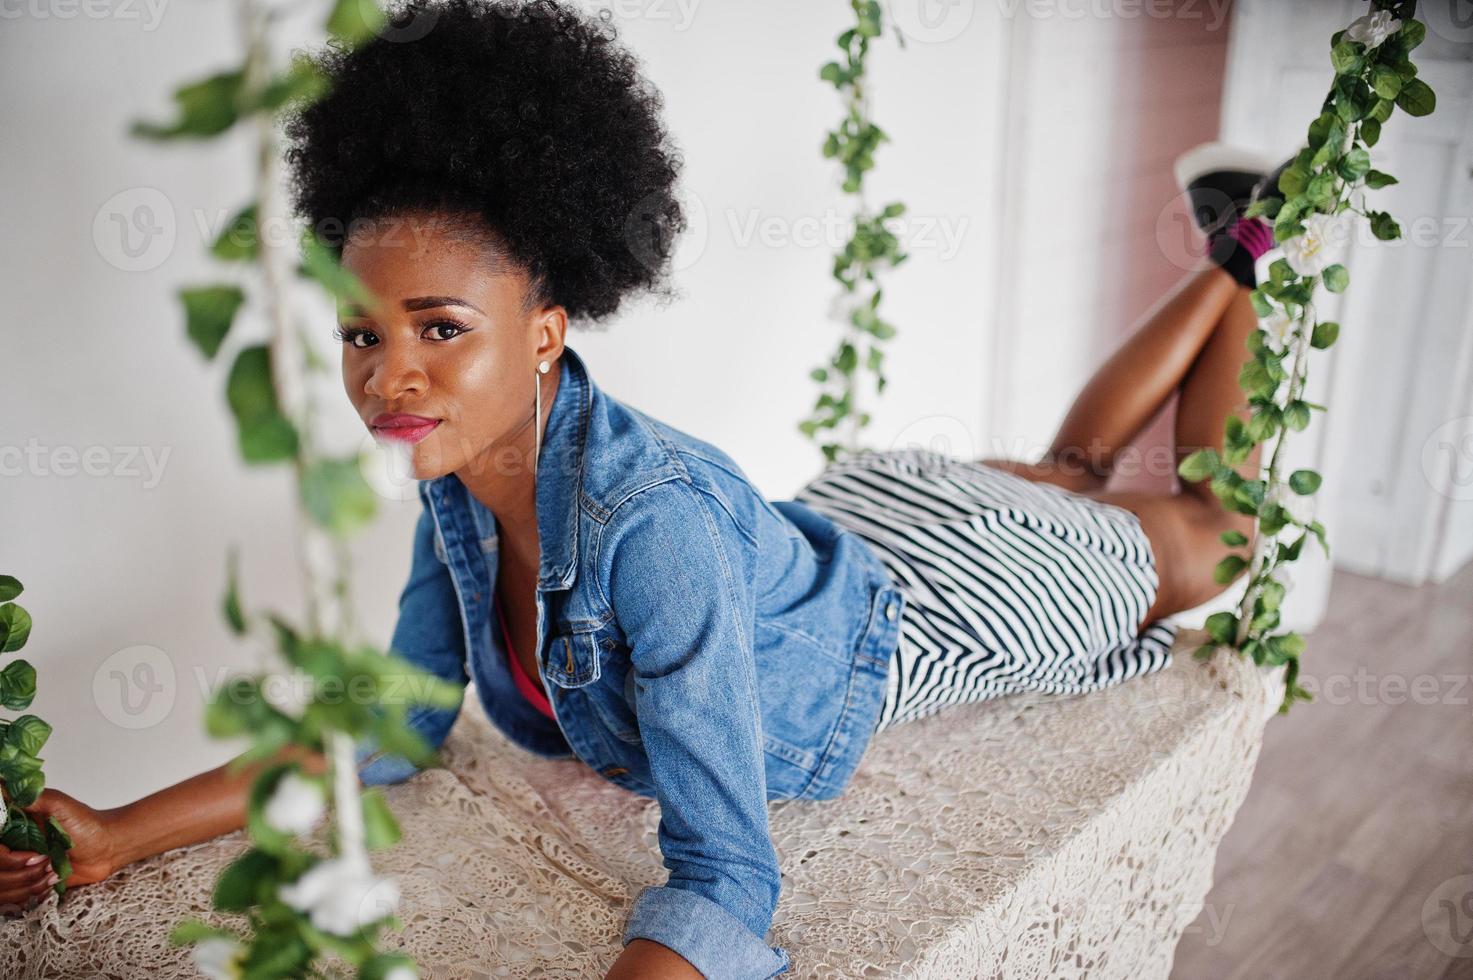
x: 1361, y: 807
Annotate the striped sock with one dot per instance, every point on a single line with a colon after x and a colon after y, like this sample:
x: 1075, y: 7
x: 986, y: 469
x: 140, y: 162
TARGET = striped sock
x: 1237, y: 247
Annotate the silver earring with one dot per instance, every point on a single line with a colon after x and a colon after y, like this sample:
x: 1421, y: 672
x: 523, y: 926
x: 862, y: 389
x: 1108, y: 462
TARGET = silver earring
x: 542, y: 368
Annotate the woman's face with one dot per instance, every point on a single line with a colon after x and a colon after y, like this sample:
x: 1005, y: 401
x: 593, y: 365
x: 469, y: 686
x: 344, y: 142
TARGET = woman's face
x: 447, y: 343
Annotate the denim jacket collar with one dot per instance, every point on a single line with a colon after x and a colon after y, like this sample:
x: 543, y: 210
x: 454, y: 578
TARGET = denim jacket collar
x: 560, y: 473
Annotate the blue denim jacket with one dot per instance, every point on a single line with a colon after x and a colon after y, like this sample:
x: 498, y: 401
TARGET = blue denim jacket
x: 700, y: 644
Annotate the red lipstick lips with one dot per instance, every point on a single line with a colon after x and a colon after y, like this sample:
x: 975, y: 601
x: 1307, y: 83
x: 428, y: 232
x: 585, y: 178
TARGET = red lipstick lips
x: 401, y: 426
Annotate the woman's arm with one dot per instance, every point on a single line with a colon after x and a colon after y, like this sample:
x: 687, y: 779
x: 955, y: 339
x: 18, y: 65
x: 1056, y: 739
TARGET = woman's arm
x: 103, y: 841
x: 200, y: 808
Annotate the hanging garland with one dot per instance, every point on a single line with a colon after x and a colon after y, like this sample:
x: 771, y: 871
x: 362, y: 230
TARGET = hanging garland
x: 870, y: 250
x: 1311, y: 214
x: 299, y: 906
x: 21, y: 739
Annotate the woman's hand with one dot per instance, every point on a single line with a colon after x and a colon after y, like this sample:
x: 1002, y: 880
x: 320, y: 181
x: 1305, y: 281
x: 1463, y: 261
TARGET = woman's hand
x: 645, y: 959
x: 94, y: 852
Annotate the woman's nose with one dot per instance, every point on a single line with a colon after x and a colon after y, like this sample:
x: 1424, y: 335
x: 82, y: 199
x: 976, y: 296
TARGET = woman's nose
x: 397, y: 374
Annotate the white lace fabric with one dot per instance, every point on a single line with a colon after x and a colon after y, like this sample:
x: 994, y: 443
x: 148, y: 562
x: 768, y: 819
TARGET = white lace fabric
x: 1030, y: 836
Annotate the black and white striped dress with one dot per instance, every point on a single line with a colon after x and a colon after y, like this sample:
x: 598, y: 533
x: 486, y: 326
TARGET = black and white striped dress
x: 1009, y: 585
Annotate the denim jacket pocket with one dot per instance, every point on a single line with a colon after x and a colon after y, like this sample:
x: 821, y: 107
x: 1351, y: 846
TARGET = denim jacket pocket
x: 572, y: 659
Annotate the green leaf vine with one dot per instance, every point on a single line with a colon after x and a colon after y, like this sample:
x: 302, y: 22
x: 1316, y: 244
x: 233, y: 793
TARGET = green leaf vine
x: 332, y: 690
x: 870, y: 249
x: 21, y: 740
x: 1316, y: 195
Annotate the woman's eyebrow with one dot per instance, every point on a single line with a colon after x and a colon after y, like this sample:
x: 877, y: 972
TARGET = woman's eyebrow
x: 430, y: 302
x: 421, y: 303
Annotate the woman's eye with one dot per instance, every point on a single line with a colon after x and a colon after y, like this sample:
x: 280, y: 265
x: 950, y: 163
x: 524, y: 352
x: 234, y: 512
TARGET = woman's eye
x: 351, y: 335
x: 436, y: 330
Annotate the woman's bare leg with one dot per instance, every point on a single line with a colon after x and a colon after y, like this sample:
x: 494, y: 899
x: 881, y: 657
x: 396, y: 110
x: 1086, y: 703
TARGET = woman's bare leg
x: 1128, y: 389
x: 1183, y: 527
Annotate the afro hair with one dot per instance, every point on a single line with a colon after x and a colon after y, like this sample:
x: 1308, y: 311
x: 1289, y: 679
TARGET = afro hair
x: 528, y: 116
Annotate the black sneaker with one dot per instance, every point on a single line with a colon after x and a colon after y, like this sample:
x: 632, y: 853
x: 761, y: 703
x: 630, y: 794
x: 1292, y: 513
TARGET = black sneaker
x: 1220, y: 181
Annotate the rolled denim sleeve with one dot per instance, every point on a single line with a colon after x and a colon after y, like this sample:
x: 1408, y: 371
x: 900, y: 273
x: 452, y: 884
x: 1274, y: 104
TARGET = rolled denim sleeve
x: 680, y: 584
x: 429, y: 635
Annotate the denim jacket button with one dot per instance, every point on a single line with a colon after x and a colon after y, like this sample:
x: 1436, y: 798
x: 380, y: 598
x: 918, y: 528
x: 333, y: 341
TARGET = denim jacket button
x: 890, y: 611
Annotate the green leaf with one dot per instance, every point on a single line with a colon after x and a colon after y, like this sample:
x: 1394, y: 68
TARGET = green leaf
x: 208, y: 313
x: 1304, y: 482
x: 1417, y: 98
x: 380, y: 829
x: 1324, y: 334
x: 205, y: 108
x: 1233, y: 539
x: 1346, y: 57
x: 322, y: 264
x: 1261, y: 304
x: 1292, y: 182
x: 302, y: 83
x: 17, y: 685
x: 831, y: 72
x: 1253, y: 378
x: 265, y: 434
x: 1228, y: 569
x: 191, y: 931
x: 1385, y: 82
x: 10, y: 587
x: 1355, y: 164
x: 15, y: 627
x: 25, y: 790
x: 28, y: 734
x: 1384, y: 227
x: 383, y: 964
x: 244, y: 880
x: 234, y: 616
x: 1296, y: 415
x: 1271, y: 595
x: 1370, y: 132
x: 1223, y: 627
x: 1198, y: 465
x: 1376, y: 180
x: 336, y: 496
x: 1382, y: 110
x: 1318, y: 530
x: 23, y: 833
x: 1336, y: 278
x: 239, y: 241
x: 1412, y: 33
x: 355, y: 21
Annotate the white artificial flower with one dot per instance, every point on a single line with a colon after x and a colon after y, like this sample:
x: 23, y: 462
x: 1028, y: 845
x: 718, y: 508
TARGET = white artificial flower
x: 1310, y: 252
x: 289, y: 693
x: 401, y: 972
x: 1373, y: 29
x: 342, y: 895
x: 1280, y: 327
x: 295, y: 805
x: 217, y: 957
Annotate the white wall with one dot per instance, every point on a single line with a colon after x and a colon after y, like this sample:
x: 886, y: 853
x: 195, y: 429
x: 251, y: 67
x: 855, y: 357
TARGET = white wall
x: 124, y: 572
